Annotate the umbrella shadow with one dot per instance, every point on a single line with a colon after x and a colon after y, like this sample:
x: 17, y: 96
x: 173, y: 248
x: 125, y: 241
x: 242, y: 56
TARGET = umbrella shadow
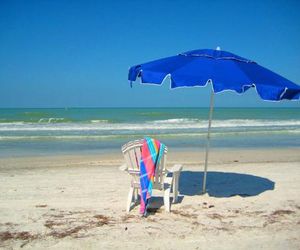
x: 221, y: 184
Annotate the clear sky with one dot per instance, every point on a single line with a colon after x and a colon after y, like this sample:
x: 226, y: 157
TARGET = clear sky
x: 60, y: 53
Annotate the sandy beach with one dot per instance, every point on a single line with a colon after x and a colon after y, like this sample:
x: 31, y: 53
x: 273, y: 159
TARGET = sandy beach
x: 79, y: 79
x: 78, y: 202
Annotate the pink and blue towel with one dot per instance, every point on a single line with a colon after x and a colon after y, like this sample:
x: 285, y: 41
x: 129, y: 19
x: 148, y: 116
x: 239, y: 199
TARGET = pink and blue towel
x: 152, y: 150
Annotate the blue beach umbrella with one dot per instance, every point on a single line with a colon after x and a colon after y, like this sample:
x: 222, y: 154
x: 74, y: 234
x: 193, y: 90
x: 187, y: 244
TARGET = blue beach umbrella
x: 223, y: 70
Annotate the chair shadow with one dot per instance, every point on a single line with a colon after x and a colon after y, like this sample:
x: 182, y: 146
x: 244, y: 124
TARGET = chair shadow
x: 221, y: 184
x: 157, y: 202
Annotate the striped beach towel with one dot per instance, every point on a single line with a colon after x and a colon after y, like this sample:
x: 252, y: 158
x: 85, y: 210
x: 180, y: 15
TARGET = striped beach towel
x: 152, y: 150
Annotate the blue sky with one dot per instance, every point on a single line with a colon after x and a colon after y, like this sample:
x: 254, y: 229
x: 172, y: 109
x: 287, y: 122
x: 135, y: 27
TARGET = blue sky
x: 77, y: 53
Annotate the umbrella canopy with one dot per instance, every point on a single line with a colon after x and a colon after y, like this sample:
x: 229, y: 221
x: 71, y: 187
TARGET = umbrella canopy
x: 223, y: 70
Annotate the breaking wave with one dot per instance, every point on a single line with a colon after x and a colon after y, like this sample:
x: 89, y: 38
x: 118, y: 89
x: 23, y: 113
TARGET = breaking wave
x: 170, y: 124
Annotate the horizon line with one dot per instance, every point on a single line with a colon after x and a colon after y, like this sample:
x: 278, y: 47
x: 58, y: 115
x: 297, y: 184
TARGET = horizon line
x: 130, y: 107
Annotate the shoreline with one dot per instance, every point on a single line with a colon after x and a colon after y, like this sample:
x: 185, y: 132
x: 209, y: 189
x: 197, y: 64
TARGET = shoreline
x: 185, y: 156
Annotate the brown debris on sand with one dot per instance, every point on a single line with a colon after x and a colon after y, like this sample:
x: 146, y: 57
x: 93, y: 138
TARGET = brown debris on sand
x: 68, y: 232
x: 102, y: 220
x: 74, y: 223
x: 41, y: 206
x: 24, y: 235
x: 184, y: 214
x: 282, y: 212
x: 128, y: 217
x: 276, y: 216
x: 215, y: 216
x: 50, y: 223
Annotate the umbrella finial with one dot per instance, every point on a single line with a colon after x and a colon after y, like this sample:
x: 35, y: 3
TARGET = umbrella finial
x: 218, y: 48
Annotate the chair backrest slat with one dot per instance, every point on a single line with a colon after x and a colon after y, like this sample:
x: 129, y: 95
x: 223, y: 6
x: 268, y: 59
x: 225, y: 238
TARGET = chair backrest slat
x: 132, y: 154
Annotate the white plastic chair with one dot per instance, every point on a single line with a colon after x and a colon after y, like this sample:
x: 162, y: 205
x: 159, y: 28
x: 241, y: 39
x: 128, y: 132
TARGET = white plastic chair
x: 165, y: 180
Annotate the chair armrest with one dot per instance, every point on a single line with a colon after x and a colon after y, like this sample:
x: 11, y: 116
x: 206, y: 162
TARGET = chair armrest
x: 123, y: 167
x: 176, y: 168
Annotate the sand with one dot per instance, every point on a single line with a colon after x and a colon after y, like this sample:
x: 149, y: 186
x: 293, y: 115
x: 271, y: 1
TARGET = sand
x: 78, y: 202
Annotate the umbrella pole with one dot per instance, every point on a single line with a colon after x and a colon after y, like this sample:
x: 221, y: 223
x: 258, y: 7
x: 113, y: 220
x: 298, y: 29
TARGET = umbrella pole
x: 208, y: 140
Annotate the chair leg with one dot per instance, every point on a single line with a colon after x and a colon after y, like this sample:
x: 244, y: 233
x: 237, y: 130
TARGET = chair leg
x: 136, y: 194
x: 175, y: 187
x: 129, y: 199
x: 167, y: 199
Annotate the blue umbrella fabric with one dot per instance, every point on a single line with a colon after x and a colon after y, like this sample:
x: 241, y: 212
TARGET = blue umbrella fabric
x: 224, y: 70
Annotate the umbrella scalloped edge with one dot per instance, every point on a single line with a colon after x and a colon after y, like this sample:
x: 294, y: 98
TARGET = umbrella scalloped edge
x: 278, y: 94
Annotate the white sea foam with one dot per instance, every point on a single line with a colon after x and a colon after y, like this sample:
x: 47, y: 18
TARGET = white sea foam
x: 171, y: 124
x: 226, y: 123
x: 11, y: 123
x: 50, y: 120
x: 99, y: 121
x: 176, y: 121
x: 59, y: 137
x: 165, y: 135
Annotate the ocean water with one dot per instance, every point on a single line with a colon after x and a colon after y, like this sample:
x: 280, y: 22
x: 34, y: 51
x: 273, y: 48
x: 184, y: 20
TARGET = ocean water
x: 98, y: 130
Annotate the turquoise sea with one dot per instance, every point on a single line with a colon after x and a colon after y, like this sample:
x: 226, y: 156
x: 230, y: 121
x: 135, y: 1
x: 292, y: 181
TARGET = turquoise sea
x: 98, y: 130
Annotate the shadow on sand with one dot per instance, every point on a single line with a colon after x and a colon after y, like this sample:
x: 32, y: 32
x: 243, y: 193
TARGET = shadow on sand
x: 220, y: 184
